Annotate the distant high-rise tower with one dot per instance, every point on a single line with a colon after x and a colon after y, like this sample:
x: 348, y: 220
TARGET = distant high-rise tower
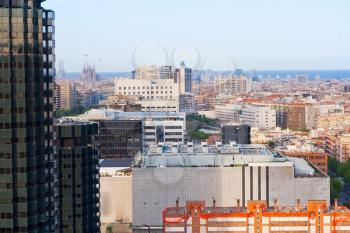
x: 79, y: 183
x: 66, y: 95
x: 28, y: 167
x: 184, y: 78
x: 88, y: 74
x: 302, y: 78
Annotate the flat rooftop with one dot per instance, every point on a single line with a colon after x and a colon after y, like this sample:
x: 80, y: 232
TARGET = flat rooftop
x: 111, y: 114
x: 115, y: 163
x: 219, y: 155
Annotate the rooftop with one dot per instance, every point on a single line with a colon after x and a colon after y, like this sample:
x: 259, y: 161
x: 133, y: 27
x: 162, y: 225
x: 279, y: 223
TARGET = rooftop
x: 115, y: 163
x: 219, y: 155
x: 111, y: 114
x: 70, y: 122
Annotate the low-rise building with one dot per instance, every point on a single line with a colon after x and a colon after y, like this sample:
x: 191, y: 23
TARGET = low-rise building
x: 225, y: 173
x: 124, y: 134
x: 319, y: 159
x: 313, y: 217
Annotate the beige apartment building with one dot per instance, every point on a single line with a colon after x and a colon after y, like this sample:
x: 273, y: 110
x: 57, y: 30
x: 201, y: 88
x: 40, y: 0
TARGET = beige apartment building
x: 232, y: 85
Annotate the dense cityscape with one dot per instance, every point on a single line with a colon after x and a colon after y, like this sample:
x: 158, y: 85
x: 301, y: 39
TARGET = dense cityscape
x: 165, y: 147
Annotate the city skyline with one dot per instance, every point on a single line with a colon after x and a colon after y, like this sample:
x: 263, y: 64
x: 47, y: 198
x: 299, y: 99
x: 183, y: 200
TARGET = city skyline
x: 267, y: 35
x: 238, y: 122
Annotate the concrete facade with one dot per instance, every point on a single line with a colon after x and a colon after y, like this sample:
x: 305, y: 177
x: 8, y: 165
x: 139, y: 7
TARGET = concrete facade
x: 116, y: 199
x: 157, y: 188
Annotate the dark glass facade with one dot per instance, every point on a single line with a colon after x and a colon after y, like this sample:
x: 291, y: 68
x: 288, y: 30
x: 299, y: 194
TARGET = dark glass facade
x: 239, y: 133
x: 120, y: 138
x: 79, y: 177
x: 28, y: 165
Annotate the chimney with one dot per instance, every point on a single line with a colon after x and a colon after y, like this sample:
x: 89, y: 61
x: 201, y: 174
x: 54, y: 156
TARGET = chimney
x: 238, y: 205
x: 335, y: 203
x: 275, y: 204
x: 298, y: 205
x: 177, y: 204
x: 214, y: 203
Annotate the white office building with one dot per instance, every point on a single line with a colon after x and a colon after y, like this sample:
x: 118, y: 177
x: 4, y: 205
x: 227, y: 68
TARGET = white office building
x: 227, y: 113
x: 160, y: 95
x: 145, y: 89
x: 261, y: 117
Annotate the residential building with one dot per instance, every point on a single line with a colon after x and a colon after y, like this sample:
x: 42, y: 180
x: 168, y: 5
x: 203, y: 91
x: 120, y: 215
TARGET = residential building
x: 184, y: 78
x: 232, y: 85
x: 187, y: 103
x: 333, y: 121
x: 315, y: 111
x: 166, y: 72
x: 261, y: 117
x: 28, y: 163
x: 79, y: 177
x: 343, y: 148
x: 91, y: 98
x: 319, y: 159
x: 66, y: 95
x: 292, y: 116
x: 158, y: 105
x: 225, y: 173
x: 227, y: 113
x: 196, y: 216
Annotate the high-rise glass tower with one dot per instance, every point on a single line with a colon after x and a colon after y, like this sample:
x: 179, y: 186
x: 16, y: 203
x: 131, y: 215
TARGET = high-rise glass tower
x: 79, y: 177
x: 28, y: 165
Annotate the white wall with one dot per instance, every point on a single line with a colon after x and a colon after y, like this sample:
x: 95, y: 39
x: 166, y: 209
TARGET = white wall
x: 163, y: 89
x: 157, y: 188
x: 116, y: 199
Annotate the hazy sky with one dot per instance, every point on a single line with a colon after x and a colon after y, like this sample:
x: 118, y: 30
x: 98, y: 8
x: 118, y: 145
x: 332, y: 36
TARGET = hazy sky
x: 217, y: 34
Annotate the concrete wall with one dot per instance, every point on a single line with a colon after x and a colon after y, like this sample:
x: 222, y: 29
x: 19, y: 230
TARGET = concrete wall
x: 116, y: 199
x: 312, y: 189
x: 154, y: 189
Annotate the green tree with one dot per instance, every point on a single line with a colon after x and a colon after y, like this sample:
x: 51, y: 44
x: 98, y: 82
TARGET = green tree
x: 271, y: 144
x: 199, y: 135
x: 336, y: 188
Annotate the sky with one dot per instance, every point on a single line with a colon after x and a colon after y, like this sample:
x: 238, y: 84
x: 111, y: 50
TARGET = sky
x: 117, y: 35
